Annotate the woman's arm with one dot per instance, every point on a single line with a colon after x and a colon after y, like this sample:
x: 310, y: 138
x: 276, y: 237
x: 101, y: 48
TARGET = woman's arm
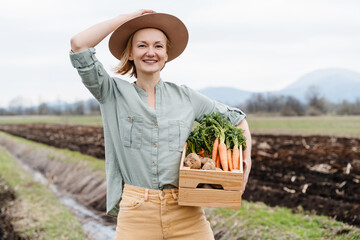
x: 247, y: 152
x: 95, y: 34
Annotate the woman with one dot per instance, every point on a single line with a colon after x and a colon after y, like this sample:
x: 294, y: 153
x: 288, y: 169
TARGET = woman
x: 146, y: 124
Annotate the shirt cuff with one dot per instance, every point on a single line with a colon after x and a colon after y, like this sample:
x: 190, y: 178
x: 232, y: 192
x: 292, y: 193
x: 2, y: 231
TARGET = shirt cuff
x: 234, y: 115
x: 83, y: 58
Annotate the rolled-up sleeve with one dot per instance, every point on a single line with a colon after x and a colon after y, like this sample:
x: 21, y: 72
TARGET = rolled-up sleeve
x: 92, y: 73
x: 204, y: 105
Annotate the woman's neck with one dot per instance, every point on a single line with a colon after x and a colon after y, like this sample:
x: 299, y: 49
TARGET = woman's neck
x: 148, y: 82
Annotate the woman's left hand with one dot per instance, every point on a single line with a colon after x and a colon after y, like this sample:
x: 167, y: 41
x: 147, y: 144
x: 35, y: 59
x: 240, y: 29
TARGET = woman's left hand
x: 247, y: 168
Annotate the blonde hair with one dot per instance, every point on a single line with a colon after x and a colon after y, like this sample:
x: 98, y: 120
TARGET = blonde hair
x: 125, y: 66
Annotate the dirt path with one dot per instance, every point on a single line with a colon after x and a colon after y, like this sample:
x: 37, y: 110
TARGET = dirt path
x: 318, y: 173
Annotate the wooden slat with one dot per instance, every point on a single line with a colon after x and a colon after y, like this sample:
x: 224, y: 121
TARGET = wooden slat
x: 228, y: 180
x: 209, y: 198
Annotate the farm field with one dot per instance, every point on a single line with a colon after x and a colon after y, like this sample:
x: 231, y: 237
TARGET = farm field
x: 318, y: 173
x: 341, y: 126
x: 254, y: 220
x: 310, y: 165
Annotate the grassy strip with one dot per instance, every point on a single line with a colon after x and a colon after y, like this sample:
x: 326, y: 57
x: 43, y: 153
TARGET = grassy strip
x: 42, y: 216
x: 258, y: 221
x: 327, y: 126
x: 64, y: 154
x: 340, y: 126
x: 82, y: 120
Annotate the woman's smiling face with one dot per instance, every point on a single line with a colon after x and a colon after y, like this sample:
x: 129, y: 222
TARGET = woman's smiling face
x: 149, y: 51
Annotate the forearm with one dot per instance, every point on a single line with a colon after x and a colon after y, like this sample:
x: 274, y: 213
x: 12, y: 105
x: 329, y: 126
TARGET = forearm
x: 246, y: 153
x: 95, y: 34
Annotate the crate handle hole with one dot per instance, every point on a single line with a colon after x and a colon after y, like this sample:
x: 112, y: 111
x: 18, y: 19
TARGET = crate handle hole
x: 210, y: 186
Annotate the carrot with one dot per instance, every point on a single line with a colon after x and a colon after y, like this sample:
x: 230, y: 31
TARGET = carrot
x: 235, y: 157
x: 223, y: 156
x: 201, y: 153
x: 215, y: 149
x: 230, y: 163
x: 218, y: 161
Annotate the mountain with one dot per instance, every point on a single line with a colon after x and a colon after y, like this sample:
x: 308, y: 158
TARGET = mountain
x: 227, y: 95
x: 334, y: 84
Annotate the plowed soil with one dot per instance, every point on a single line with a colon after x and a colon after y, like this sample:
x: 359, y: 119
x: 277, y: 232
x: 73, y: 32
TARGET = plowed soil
x: 320, y: 174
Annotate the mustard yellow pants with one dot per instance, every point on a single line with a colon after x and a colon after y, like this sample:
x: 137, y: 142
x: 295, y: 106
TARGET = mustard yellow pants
x: 155, y: 214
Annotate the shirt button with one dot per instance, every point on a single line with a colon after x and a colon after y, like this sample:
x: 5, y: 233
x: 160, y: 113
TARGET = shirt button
x: 153, y: 163
x: 155, y: 145
x: 156, y: 125
x: 154, y: 181
x: 129, y: 117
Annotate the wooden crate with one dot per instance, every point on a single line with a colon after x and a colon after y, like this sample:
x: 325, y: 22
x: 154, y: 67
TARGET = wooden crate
x: 228, y: 197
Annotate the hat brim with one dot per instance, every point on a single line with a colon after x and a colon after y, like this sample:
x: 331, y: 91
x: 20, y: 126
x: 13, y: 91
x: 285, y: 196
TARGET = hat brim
x: 174, y: 29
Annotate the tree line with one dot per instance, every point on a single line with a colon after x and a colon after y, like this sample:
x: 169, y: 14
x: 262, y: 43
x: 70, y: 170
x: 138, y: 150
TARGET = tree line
x: 315, y: 105
x: 88, y: 107
x: 259, y: 103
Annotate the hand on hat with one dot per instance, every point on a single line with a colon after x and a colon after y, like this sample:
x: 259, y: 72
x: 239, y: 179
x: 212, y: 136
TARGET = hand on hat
x: 139, y: 13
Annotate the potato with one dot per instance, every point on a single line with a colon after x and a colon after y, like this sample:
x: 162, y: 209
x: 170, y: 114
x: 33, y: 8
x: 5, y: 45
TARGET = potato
x: 209, y: 165
x: 193, y: 161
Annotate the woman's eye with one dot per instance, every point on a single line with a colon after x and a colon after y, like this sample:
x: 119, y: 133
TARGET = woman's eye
x: 159, y: 46
x: 141, y: 45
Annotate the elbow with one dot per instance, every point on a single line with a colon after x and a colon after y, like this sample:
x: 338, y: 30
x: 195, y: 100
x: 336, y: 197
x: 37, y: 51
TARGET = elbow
x: 75, y: 45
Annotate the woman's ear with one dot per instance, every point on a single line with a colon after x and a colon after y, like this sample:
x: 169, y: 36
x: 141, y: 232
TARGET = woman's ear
x: 131, y: 57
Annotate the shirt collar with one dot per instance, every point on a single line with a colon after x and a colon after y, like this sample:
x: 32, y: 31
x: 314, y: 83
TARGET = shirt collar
x: 158, y: 86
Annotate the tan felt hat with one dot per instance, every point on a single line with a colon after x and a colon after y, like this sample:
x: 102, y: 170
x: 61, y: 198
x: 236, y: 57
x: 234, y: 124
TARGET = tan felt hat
x: 173, y: 28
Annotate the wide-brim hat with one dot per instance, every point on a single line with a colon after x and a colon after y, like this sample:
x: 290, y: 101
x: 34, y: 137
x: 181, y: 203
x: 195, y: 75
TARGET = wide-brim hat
x: 174, y: 29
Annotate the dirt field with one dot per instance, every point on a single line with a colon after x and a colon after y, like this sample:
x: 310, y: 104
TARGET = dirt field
x: 320, y: 174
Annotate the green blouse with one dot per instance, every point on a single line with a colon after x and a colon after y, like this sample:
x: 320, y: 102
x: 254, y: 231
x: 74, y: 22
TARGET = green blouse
x: 143, y: 145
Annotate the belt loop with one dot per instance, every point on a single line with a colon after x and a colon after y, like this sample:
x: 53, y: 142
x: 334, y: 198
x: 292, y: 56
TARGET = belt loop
x: 146, y: 194
x: 174, y: 195
x: 161, y: 195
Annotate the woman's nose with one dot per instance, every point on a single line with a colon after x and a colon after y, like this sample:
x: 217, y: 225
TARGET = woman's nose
x: 150, y: 52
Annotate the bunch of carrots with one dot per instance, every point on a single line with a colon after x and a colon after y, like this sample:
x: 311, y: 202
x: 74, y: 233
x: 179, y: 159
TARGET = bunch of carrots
x: 217, y: 138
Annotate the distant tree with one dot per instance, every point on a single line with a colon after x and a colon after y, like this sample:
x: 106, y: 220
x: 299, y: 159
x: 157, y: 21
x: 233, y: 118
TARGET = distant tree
x: 43, y: 109
x: 3, y: 111
x: 79, y: 108
x: 292, y: 107
x: 347, y: 108
x: 317, y: 105
x: 93, y: 106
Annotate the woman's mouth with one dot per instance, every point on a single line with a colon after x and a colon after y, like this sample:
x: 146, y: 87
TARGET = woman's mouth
x: 150, y: 61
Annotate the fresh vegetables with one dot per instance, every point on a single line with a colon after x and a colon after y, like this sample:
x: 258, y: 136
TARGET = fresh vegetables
x: 217, y: 138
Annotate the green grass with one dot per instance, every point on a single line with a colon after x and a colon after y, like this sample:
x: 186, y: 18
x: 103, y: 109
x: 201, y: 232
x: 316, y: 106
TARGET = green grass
x: 340, y: 126
x: 258, y: 221
x: 92, y: 163
x: 83, y: 120
x: 327, y: 125
x: 43, y: 217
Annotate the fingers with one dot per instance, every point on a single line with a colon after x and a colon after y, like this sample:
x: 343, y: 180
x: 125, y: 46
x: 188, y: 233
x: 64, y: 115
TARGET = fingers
x: 145, y: 11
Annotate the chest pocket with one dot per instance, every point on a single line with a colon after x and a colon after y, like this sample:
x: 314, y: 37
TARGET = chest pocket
x: 132, y: 127
x: 178, y: 134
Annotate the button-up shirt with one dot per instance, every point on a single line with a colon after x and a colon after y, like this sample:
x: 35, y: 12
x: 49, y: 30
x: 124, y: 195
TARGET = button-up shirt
x: 143, y: 145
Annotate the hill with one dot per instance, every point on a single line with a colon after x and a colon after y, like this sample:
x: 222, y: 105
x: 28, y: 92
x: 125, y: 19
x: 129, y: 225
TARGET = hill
x: 334, y: 84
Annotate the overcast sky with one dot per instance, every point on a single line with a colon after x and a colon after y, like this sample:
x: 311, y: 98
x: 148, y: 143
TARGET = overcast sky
x: 256, y: 45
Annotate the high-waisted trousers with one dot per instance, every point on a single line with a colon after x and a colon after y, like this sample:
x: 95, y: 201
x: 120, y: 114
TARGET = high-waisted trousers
x: 155, y: 214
